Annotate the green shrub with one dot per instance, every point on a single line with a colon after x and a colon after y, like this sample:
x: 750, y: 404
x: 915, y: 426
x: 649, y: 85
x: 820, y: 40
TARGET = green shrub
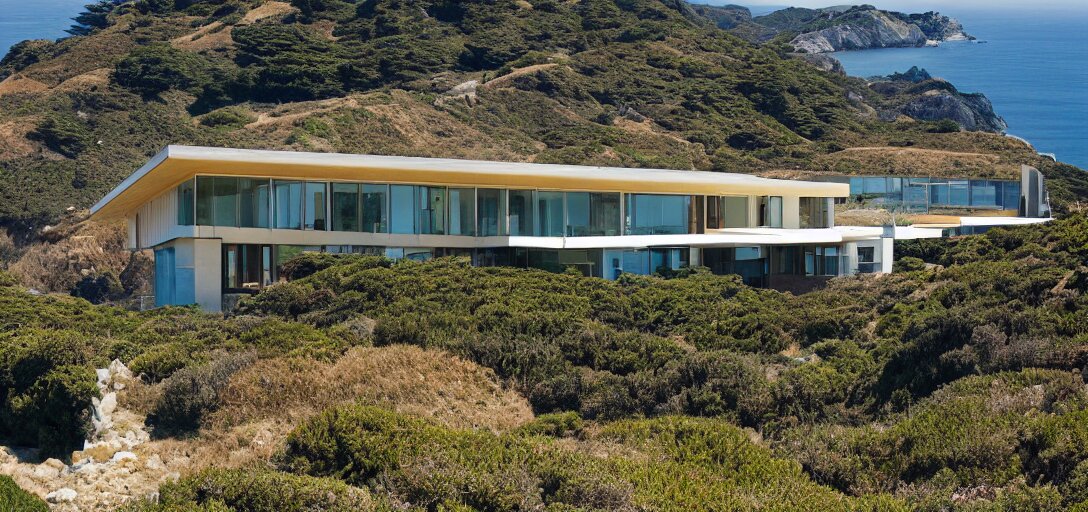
x: 47, y: 384
x: 13, y: 498
x: 908, y: 264
x: 63, y: 134
x: 192, y: 393
x: 258, y: 491
x: 227, y: 117
x: 157, y: 68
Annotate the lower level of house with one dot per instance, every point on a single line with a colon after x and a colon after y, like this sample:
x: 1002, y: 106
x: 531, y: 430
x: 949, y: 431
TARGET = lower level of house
x: 214, y: 274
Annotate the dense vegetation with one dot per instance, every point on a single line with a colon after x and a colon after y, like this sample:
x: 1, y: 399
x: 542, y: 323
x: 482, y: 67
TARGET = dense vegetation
x: 955, y: 383
x: 631, y: 83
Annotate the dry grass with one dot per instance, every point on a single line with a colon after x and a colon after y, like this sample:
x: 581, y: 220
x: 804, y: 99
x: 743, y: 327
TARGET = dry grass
x: 407, y: 379
x: 18, y: 84
x: 56, y: 265
x: 917, y: 162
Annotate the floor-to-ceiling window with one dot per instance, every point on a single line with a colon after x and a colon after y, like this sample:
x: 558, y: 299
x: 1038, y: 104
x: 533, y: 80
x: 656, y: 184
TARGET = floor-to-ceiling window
x: 770, y: 212
x: 288, y: 204
x: 655, y: 214
x: 549, y: 214
x: 314, y: 217
x: 521, y: 212
x: 490, y: 209
x: 726, y: 212
x: 374, y: 208
x: 402, y: 210
x: 593, y: 214
x: 186, y: 197
x: 462, y: 213
x: 345, y: 207
x: 814, y: 212
x: 253, y: 202
x: 432, y: 210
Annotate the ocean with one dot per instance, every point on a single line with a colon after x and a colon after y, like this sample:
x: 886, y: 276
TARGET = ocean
x: 1033, y: 65
x: 35, y: 19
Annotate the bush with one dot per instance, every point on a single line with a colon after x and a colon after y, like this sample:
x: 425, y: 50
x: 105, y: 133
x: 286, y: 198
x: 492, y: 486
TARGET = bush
x: 192, y: 393
x: 63, y: 134
x: 14, y: 498
x: 258, y: 491
x: 157, y: 68
x: 908, y: 264
x: 47, y: 386
x: 99, y: 288
x: 227, y: 117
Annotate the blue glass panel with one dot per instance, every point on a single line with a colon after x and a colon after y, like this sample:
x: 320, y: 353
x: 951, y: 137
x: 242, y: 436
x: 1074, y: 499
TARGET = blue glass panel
x: 651, y: 214
x: 549, y: 214
x: 983, y: 193
x: 857, y: 187
x: 959, y: 193
x: 1011, y: 195
x: 288, y: 205
x: 402, y: 217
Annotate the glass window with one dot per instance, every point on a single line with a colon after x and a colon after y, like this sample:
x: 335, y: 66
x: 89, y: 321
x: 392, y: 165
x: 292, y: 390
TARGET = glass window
x: 813, y: 212
x: 549, y: 214
x: 205, y: 188
x: 314, y: 218
x: 432, y: 210
x: 771, y: 212
x: 1011, y: 195
x: 593, y: 214
x: 984, y: 193
x: 186, y: 196
x: 462, y: 211
x: 875, y: 186
x: 521, y: 212
x: 402, y: 209
x: 253, y: 197
x: 916, y: 193
x: 490, y: 205
x: 225, y: 202
x: 958, y: 193
x: 857, y: 186
x: 726, y: 212
x: 288, y: 207
x: 939, y: 193
x: 654, y: 214
x: 345, y: 207
x: 375, y: 208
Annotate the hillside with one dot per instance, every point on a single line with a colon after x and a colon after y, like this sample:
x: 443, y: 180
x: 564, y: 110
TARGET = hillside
x: 631, y: 83
x: 364, y: 384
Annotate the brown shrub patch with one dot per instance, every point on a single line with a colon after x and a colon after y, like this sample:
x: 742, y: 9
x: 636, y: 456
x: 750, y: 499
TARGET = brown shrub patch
x: 407, y: 379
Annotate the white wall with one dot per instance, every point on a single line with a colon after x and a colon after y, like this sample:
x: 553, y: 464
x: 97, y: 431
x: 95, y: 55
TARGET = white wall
x: 156, y: 222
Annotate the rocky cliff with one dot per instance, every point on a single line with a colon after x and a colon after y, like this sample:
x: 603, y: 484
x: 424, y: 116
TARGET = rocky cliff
x: 860, y: 27
x: 923, y: 97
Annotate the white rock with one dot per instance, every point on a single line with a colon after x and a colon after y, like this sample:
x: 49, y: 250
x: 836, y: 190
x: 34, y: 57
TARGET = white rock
x: 103, y: 375
x: 108, y: 404
x: 62, y: 495
x: 118, y: 370
x: 44, y: 472
x: 154, y: 462
x: 123, y: 456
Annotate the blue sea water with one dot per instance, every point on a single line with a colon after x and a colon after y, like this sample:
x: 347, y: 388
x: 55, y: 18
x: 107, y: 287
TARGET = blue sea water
x: 35, y: 19
x: 1033, y: 65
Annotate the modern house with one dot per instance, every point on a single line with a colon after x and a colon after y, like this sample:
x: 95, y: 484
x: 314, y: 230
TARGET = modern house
x: 221, y: 222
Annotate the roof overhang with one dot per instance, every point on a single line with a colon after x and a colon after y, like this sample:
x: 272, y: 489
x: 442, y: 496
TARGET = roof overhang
x: 176, y: 164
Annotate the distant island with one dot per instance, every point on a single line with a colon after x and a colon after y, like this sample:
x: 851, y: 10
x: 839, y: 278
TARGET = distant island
x: 832, y: 29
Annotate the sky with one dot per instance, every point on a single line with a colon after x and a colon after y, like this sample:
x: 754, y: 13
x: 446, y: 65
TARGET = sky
x: 929, y: 5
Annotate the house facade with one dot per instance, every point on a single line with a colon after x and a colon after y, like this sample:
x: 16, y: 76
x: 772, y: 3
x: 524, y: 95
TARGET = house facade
x: 221, y: 222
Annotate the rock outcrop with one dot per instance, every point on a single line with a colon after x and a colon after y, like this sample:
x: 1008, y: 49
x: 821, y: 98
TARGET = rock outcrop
x: 860, y: 27
x: 868, y: 29
x: 917, y: 94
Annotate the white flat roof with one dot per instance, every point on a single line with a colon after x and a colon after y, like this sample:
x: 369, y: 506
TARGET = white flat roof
x: 175, y: 164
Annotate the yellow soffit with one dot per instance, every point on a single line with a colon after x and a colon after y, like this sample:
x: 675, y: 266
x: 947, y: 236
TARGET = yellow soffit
x: 176, y: 164
x: 935, y: 221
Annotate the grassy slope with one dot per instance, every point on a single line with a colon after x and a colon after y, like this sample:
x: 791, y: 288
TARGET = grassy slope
x: 356, y: 79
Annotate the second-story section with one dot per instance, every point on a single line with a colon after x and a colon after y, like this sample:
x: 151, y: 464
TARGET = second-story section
x: 314, y: 199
